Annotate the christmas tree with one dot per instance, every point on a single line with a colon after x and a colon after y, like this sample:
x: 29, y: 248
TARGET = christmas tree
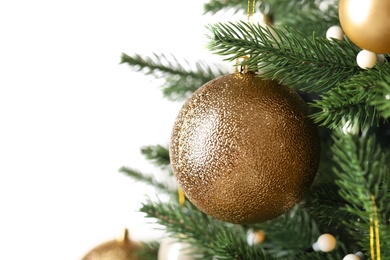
x: 344, y: 78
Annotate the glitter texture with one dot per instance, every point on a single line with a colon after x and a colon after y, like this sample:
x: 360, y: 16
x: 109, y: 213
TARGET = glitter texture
x: 243, y: 149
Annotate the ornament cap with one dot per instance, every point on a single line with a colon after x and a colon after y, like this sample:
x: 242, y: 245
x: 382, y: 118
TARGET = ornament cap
x: 124, y: 236
x: 121, y: 248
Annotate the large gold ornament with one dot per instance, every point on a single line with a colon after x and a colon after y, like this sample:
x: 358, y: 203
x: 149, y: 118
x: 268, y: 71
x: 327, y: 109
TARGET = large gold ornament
x: 119, y: 249
x: 367, y: 23
x: 243, y: 149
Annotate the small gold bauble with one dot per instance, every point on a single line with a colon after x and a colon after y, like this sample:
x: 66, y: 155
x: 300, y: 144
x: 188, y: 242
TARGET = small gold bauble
x: 119, y: 249
x: 367, y: 23
x: 243, y: 149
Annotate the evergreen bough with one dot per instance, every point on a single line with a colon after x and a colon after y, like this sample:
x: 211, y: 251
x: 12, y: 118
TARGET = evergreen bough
x: 350, y: 105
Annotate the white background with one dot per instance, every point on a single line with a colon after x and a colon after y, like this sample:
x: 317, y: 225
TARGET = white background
x: 71, y: 116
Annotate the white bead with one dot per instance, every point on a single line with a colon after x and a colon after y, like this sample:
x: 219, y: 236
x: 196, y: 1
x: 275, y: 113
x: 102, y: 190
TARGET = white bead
x: 173, y: 249
x: 315, y: 247
x: 351, y: 257
x: 326, y: 242
x: 380, y: 58
x: 366, y: 59
x: 335, y: 32
x: 360, y: 255
x: 255, y: 237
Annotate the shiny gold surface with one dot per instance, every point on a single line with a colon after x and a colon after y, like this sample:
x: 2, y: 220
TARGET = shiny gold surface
x: 118, y: 249
x: 367, y: 23
x: 243, y: 149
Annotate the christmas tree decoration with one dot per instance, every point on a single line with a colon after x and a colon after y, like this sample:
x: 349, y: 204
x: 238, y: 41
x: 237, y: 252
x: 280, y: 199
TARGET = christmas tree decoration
x: 366, y: 59
x: 375, y: 244
x: 351, y: 257
x: 335, y: 32
x: 380, y: 58
x: 173, y: 249
x: 255, y: 237
x: 182, y: 197
x: 119, y: 249
x: 325, y: 243
x: 367, y: 23
x: 243, y: 149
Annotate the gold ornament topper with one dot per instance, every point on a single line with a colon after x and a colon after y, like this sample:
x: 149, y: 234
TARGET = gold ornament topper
x: 243, y: 68
x: 251, y: 10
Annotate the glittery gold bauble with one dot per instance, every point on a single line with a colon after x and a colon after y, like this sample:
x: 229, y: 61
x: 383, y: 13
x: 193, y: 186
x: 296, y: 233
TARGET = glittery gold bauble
x: 119, y: 249
x: 367, y: 23
x: 243, y: 149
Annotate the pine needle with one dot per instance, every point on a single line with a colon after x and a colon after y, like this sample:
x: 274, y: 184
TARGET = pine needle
x: 359, y: 101
x: 180, y: 77
x: 363, y: 171
x: 312, y: 64
x: 157, y: 154
x: 147, y: 179
x: 213, y: 238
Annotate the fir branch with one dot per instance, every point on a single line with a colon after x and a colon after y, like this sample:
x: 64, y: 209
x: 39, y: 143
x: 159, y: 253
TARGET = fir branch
x: 381, y: 100
x: 298, y: 222
x: 157, y: 154
x: 215, y: 239
x: 148, y: 250
x: 181, y: 220
x: 145, y: 178
x: 326, y: 205
x: 233, y: 245
x: 363, y: 171
x: 311, y: 19
x: 278, y: 9
x: 215, y: 6
x: 356, y: 101
x: 334, y: 255
x: 307, y: 64
x: 348, y: 106
x: 181, y: 79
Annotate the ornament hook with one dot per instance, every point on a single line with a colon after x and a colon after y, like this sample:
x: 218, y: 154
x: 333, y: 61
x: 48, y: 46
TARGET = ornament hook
x: 264, y: 8
x: 242, y: 68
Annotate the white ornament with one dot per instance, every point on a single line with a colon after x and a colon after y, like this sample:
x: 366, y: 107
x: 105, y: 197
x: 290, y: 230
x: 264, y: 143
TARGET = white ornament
x: 325, y: 243
x: 335, y: 32
x: 360, y: 255
x: 173, y: 249
x: 366, y: 59
x: 255, y: 237
x: 380, y: 58
x: 351, y: 257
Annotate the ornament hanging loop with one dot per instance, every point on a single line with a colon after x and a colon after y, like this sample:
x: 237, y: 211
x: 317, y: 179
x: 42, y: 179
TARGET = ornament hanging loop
x: 264, y: 8
x: 239, y: 67
x: 265, y: 13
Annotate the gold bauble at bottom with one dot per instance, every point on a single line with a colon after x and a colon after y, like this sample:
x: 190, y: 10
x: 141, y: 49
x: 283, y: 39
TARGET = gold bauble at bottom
x: 243, y: 149
x: 118, y: 249
x: 367, y: 23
